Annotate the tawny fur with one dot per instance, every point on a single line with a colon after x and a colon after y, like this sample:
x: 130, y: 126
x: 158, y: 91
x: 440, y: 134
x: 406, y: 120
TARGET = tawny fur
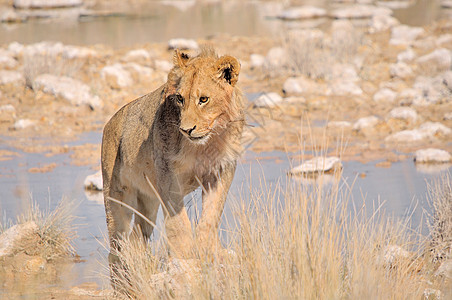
x: 179, y: 143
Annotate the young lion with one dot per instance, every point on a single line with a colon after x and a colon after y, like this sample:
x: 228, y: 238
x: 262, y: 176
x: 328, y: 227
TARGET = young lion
x: 160, y: 147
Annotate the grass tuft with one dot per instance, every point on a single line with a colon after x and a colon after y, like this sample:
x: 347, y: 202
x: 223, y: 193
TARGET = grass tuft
x: 55, y: 231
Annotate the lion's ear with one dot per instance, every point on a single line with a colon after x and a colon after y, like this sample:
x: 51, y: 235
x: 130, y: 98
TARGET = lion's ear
x: 180, y: 59
x: 228, y: 68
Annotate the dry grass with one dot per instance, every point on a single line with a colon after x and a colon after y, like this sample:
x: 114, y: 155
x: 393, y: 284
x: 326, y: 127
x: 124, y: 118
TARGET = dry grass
x: 313, y: 52
x: 441, y: 226
x: 296, y: 244
x: 55, y: 232
x: 38, y: 64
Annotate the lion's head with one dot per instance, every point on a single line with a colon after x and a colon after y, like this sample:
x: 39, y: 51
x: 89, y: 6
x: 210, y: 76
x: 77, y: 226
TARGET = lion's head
x: 204, y: 88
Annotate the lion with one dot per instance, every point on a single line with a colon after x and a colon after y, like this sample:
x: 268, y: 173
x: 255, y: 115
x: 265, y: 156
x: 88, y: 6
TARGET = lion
x: 163, y: 145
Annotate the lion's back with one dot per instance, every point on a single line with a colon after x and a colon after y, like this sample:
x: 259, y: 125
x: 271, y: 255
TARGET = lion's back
x: 125, y: 132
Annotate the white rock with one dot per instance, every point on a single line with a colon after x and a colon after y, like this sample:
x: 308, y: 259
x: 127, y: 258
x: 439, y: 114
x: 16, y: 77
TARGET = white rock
x: 23, y: 123
x: 446, y: 3
x: 71, y: 52
x: 432, y: 155
x: 257, y: 60
x: 403, y: 113
x: 292, y: 85
x: 7, y: 108
x: 382, y: 22
x: 56, y: 49
x: 436, y: 61
x: 395, y: 4
x: 435, y: 129
x: 344, y: 72
x: 138, y: 72
x: 137, y: 55
x: 302, y: 12
x: 163, y: 65
x: 385, y: 95
x: 401, y: 70
x: 447, y: 116
x: 410, y: 96
x: 75, y: 92
x: 407, y: 136
x: 365, y: 123
x: 432, y: 89
x: 339, y: 125
x: 94, y: 182
x: 44, y: 48
x: 16, y: 48
x: 317, y: 165
x: 268, y: 100
x: 183, y: 44
x: 116, y: 76
x: 406, y: 56
x: 344, y: 88
x: 276, y: 57
x: 428, y: 130
x: 444, y: 39
x: 405, y: 35
x: 10, y: 15
x: 302, y: 85
x: 359, y: 12
x: 7, y: 61
x: 46, y: 3
x: 11, y: 77
x: 14, y: 237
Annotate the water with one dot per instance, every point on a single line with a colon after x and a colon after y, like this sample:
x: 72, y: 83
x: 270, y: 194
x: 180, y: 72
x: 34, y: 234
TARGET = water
x: 399, y: 187
x: 159, y: 21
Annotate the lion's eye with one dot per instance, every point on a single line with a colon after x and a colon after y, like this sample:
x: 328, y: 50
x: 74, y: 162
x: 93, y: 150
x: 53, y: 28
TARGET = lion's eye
x: 203, y: 100
x: 180, y: 99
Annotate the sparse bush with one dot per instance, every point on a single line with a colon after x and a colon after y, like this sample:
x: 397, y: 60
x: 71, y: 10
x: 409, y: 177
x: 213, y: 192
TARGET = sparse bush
x: 54, y: 233
x: 312, y: 52
x: 37, y: 64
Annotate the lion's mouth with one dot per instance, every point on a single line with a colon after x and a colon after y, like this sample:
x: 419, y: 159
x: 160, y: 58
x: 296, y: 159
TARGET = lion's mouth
x: 199, y: 139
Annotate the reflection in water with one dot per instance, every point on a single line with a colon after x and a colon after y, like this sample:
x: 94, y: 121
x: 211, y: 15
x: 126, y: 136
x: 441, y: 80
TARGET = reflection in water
x: 433, y: 169
x: 160, y: 21
x: 152, y: 23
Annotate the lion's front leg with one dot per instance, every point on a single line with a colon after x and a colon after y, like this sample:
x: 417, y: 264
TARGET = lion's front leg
x: 215, y: 190
x: 177, y: 224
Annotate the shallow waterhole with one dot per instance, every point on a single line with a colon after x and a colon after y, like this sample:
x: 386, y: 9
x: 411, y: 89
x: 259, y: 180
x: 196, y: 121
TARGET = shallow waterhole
x: 401, y: 189
x: 158, y: 21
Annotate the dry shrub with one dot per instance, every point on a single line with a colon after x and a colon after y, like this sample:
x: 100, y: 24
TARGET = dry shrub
x: 303, y: 243
x: 312, y: 52
x: 55, y: 233
x: 47, y: 63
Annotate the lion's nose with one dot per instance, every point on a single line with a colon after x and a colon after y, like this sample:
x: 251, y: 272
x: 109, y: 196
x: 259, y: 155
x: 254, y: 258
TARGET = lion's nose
x: 188, y: 130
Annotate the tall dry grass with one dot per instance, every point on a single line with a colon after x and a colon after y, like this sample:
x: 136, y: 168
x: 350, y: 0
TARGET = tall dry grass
x: 55, y: 229
x: 440, y: 195
x: 47, y: 63
x: 301, y: 243
x: 312, y: 52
